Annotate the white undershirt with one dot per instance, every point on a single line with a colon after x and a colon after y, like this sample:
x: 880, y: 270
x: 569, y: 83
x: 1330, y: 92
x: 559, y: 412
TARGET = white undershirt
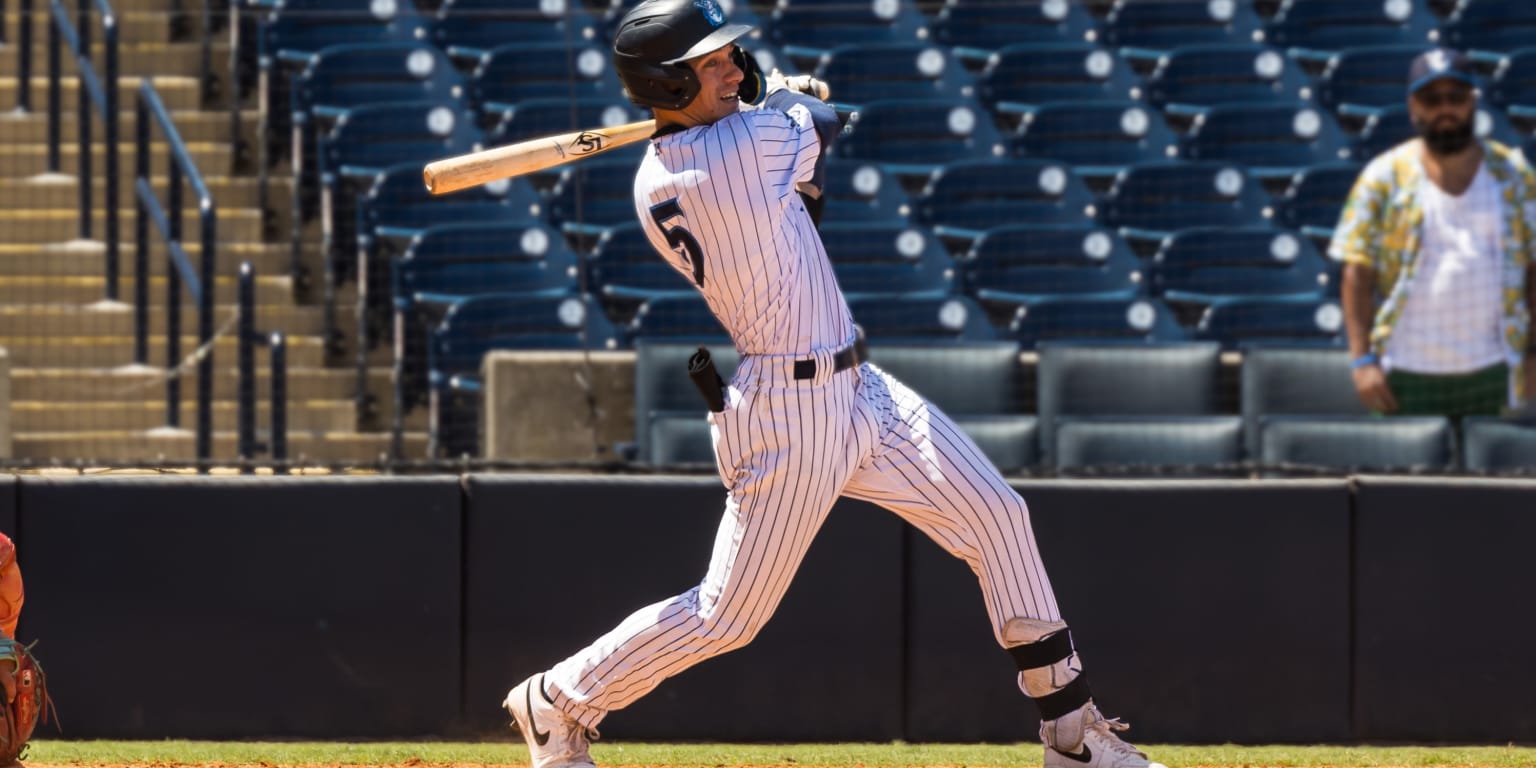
x: 1451, y: 317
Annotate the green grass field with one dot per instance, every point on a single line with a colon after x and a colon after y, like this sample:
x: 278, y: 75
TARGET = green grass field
x: 268, y: 754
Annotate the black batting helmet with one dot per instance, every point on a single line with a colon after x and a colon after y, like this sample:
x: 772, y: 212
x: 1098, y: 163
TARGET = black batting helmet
x: 655, y: 38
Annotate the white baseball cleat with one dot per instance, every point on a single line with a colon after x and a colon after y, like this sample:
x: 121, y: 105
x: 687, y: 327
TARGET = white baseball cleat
x: 1097, y: 747
x: 554, y: 739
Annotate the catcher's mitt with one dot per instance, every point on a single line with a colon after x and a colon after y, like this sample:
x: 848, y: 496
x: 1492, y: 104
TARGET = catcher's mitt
x: 31, y: 702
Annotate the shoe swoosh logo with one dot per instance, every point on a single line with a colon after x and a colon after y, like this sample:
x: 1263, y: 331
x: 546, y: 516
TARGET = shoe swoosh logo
x: 543, y: 738
x: 1084, y: 758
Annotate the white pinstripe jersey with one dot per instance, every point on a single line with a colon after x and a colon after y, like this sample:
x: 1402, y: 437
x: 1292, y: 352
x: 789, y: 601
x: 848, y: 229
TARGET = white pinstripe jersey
x: 719, y: 203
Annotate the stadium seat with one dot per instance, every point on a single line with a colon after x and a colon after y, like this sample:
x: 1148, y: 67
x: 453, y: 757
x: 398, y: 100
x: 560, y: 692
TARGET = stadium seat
x: 1316, y: 28
x: 911, y: 138
x: 861, y: 73
x: 977, y: 385
x: 1094, y: 319
x: 1195, y: 268
x: 1293, y: 380
x: 624, y: 271
x: 1392, y: 126
x: 1192, y: 78
x: 1315, y: 198
x: 861, y: 191
x: 1357, y: 444
x: 592, y: 196
x: 805, y: 29
x: 893, y: 260
x: 1513, y: 84
x: 1202, y: 445
x: 1359, y: 80
x: 1498, y: 445
x: 1258, y: 318
x: 1023, y: 264
x: 1019, y: 77
x: 480, y: 324
x: 676, y: 317
x: 671, y: 420
x: 1148, y: 28
x: 977, y: 28
x: 532, y: 118
x: 508, y: 74
x: 468, y: 28
x: 1273, y: 140
x: 1149, y: 201
x: 963, y: 199
x: 1097, y: 138
x: 1480, y: 26
x: 920, y: 320
x: 1111, y: 383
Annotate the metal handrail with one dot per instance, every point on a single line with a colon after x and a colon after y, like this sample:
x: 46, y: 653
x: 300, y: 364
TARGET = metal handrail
x: 200, y: 283
x: 277, y: 347
x: 98, y: 92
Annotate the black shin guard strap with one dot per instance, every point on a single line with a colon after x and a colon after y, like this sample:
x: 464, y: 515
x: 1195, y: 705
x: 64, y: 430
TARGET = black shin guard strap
x: 1043, y: 652
x: 1071, y: 696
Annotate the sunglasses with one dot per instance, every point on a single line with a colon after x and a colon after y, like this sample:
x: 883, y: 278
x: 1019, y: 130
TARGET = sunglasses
x: 1455, y: 97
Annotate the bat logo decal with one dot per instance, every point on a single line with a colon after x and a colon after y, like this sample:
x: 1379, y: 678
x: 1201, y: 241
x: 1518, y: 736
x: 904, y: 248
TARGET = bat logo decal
x: 587, y: 142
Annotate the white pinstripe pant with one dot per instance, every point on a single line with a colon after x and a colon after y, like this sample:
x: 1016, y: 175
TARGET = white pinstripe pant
x: 786, y: 450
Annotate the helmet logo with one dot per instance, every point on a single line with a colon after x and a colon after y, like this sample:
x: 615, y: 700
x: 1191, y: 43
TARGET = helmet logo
x: 712, y: 12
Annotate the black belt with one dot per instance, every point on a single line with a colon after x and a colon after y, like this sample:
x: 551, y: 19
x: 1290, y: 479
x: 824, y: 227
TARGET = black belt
x: 847, y: 357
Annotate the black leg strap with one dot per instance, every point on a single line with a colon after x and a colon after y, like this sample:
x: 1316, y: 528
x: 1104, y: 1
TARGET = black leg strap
x: 1071, y: 696
x: 1043, y: 652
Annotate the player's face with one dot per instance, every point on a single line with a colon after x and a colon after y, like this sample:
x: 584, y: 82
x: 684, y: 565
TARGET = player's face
x: 1443, y: 114
x: 719, y: 77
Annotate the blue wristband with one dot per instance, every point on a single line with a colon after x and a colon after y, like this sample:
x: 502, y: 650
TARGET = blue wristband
x: 1362, y: 361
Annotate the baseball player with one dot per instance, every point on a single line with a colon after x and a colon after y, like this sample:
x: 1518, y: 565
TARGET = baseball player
x: 804, y: 419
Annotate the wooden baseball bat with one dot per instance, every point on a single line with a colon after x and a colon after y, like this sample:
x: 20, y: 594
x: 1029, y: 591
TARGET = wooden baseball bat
x: 465, y: 171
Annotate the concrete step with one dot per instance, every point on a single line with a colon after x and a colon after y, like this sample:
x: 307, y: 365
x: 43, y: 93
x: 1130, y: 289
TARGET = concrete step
x: 149, y: 58
x: 54, y: 225
x: 163, y: 445
x: 178, y: 92
x: 211, y: 158
x: 58, y: 321
x: 192, y: 125
x: 87, y: 258
x: 101, y: 351
x: 34, y: 416
x: 86, y: 289
x: 58, y: 190
x: 140, y: 26
x: 131, y: 384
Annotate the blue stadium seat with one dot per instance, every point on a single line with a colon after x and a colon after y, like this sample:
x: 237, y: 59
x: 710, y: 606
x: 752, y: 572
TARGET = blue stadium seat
x: 1152, y: 200
x: 1482, y: 26
x: 532, y: 118
x: 508, y: 74
x: 1069, y: 319
x: 1196, y: 268
x: 1392, y: 126
x: 1357, y: 444
x: 1097, y: 138
x: 489, y: 322
x: 867, y: 72
x: 1159, y: 394
x: 1147, y: 28
x: 1020, y: 265
x: 1358, y: 81
x: 1315, y: 198
x: 910, y: 138
x: 676, y: 316
x: 805, y: 29
x: 892, y: 260
x: 861, y: 191
x: 593, y: 195
x: 1020, y: 76
x: 920, y: 320
x: 468, y: 28
x: 1290, y: 380
x: 1262, y: 318
x: 1498, y: 445
x: 1316, y: 28
x: 1192, y: 78
x: 1513, y: 84
x: 625, y: 271
x: 977, y: 28
x: 1273, y: 140
x: 962, y: 199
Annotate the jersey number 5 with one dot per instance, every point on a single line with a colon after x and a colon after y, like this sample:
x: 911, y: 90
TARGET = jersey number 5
x: 678, y: 237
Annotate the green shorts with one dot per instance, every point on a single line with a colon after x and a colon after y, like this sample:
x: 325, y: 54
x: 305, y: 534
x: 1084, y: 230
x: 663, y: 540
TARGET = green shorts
x: 1483, y: 392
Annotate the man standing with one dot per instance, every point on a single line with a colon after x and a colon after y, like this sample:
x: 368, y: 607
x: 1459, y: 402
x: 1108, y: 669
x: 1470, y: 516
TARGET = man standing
x: 804, y: 419
x: 1437, y: 242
